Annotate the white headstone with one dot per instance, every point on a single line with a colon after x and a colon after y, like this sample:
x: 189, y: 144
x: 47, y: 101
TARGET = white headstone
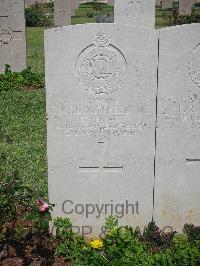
x: 77, y: 4
x: 135, y: 12
x: 177, y: 194
x: 158, y: 2
x: 166, y: 4
x: 101, y: 123
x: 111, y: 2
x: 73, y: 7
x: 62, y: 12
x: 185, y: 7
x: 12, y: 35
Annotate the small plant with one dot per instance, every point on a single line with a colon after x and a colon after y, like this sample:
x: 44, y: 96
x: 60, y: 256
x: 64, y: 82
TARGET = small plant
x: 105, y: 18
x: 50, y: 4
x: 192, y: 231
x: 119, y: 246
x: 183, y: 252
x: 90, y: 15
x: 20, y: 214
x: 156, y: 238
x: 124, y: 246
x: 13, y: 194
x: 188, y: 19
x: 97, y: 6
x: 25, y: 79
x: 70, y: 244
x: 39, y: 213
x: 37, y: 17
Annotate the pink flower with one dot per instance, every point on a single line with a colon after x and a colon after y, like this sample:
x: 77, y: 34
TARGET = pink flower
x: 44, y: 207
x: 39, y: 202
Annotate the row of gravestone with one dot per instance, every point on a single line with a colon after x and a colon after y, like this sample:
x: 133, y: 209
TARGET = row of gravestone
x: 184, y: 6
x: 63, y: 13
x: 12, y: 34
x: 12, y: 24
x: 12, y: 29
x: 123, y: 112
x: 64, y: 10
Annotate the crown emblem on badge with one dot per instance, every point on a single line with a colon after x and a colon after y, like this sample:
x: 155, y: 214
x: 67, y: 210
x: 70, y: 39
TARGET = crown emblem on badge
x: 101, y: 40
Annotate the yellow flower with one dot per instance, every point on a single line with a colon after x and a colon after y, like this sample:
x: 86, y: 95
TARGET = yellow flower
x: 97, y: 244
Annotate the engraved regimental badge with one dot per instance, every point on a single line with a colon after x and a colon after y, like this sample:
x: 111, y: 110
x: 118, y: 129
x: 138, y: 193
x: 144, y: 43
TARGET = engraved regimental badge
x: 6, y: 35
x: 101, y: 67
x: 194, y: 65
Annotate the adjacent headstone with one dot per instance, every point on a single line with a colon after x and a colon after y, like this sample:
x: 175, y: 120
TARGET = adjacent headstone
x: 111, y: 2
x: 185, y: 7
x: 167, y: 4
x: 135, y: 12
x: 101, y: 96
x: 177, y: 179
x: 77, y: 4
x: 73, y: 7
x: 62, y: 12
x: 158, y: 2
x: 99, y: 1
x: 12, y: 35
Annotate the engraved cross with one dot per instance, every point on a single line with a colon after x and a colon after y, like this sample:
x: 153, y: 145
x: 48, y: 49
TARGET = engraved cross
x: 193, y: 160
x: 102, y: 165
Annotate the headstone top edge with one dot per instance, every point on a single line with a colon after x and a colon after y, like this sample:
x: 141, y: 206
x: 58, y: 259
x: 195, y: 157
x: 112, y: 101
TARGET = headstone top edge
x: 178, y: 27
x: 100, y: 25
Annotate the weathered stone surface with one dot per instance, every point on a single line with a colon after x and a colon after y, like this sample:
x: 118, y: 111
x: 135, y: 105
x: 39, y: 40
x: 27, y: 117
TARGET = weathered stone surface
x: 12, y: 35
x: 111, y: 2
x: 100, y: 1
x: 62, y: 12
x: 77, y: 3
x: 101, y: 96
x: 73, y: 7
x: 177, y: 193
x: 185, y: 6
x: 167, y: 4
x: 135, y: 12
